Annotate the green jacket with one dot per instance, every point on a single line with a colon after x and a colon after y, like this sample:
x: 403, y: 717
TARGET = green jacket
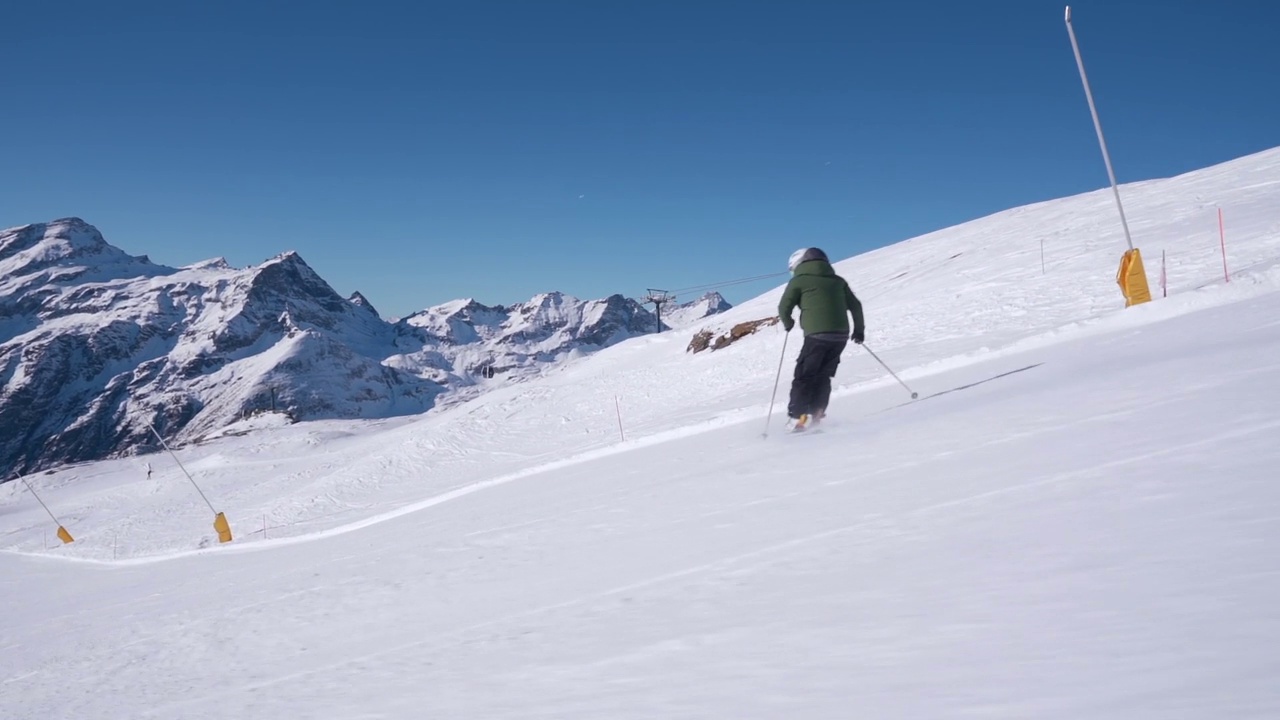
x: 824, y: 299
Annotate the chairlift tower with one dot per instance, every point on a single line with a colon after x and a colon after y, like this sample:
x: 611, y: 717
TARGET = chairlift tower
x: 658, y: 298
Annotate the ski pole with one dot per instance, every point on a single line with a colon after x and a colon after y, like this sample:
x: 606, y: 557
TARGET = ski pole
x: 914, y: 394
x: 781, y: 358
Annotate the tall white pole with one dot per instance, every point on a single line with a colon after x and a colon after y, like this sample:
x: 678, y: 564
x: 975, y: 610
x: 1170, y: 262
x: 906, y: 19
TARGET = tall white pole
x: 184, y: 469
x: 1098, y: 127
x: 37, y: 497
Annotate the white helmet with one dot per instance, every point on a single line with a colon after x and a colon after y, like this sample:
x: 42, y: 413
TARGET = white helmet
x: 804, y: 255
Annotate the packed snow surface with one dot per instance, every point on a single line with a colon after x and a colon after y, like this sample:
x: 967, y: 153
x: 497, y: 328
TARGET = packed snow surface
x: 1078, y: 518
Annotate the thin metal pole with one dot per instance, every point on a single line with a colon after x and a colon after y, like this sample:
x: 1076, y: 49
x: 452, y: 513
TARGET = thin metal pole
x: 184, y: 470
x: 781, y: 359
x: 618, y: 406
x: 1222, y: 236
x: 1097, y: 126
x: 46, y: 507
x: 914, y: 394
x: 1164, y: 276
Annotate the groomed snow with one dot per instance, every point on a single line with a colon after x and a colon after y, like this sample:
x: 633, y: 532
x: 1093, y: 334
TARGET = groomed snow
x: 1077, y: 519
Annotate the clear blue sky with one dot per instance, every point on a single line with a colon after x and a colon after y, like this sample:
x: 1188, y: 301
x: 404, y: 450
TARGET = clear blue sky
x: 420, y: 152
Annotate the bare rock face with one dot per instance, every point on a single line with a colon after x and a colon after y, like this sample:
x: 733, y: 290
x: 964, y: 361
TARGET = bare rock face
x: 707, y: 339
x: 701, y: 341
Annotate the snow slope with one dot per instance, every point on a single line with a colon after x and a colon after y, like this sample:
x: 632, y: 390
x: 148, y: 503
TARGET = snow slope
x: 1078, y: 518
x: 943, y: 312
x: 1081, y: 530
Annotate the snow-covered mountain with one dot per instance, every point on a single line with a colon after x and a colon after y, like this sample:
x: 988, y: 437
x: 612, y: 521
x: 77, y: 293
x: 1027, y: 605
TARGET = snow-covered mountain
x: 97, y: 346
x: 683, y: 315
x: 522, y: 336
x: 521, y: 339
x: 1077, y: 517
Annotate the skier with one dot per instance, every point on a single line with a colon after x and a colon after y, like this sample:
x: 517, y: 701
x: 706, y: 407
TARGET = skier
x: 825, y: 300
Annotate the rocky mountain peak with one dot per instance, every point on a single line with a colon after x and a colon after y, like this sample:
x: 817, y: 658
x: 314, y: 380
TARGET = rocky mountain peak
x: 97, y: 346
x: 685, y: 314
x: 288, y: 274
x: 360, y: 300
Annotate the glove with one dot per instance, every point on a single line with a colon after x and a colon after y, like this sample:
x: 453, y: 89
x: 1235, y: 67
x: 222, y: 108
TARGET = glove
x: 858, y: 336
x: 787, y: 324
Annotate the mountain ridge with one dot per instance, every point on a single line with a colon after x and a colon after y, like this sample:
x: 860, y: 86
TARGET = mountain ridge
x: 97, y: 346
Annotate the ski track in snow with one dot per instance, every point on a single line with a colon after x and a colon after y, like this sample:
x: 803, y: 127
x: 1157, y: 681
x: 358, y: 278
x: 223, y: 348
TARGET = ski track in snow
x: 504, y: 627
x: 1077, y: 519
x: 454, y: 447
x: 985, y: 298
x: 746, y: 558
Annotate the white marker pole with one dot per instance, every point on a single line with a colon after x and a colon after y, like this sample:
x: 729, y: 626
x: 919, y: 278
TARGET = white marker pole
x: 1097, y: 126
x: 617, y: 406
x: 1164, y: 277
x: 63, y: 535
x: 184, y: 469
x: 1222, y: 237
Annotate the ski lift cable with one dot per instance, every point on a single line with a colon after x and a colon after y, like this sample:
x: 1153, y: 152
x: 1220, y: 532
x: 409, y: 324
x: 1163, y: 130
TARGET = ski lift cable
x: 726, y: 283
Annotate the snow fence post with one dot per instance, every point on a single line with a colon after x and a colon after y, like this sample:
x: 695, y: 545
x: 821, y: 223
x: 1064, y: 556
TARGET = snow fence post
x: 1131, y: 277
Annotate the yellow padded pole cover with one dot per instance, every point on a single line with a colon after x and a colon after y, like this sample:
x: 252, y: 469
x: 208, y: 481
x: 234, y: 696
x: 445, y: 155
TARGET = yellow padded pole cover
x: 1132, y: 278
x: 224, y: 529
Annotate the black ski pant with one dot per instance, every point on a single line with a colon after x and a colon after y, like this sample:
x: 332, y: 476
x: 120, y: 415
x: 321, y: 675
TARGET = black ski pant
x: 811, y: 386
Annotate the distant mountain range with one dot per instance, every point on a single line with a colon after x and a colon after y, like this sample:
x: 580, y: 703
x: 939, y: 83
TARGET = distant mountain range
x: 97, y: 346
